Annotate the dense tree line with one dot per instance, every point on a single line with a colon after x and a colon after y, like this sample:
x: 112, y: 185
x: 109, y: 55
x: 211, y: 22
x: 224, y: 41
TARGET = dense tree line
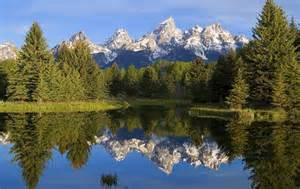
x: 163, y: 79
x: 265, y: 72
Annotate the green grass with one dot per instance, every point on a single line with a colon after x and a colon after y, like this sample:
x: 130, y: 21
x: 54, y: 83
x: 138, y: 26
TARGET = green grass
x: 157, y: 102
x: 47, y: 107
x: 220, y: 112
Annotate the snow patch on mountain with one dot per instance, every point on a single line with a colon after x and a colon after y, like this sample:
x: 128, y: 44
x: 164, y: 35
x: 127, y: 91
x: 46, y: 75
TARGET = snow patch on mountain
x: 119, y: 40
x: 193, y: 41
x: 8, y: 51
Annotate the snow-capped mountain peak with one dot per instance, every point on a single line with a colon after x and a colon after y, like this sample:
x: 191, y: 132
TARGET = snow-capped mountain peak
x: 120, y: 39
x: 196, y: 29
x: 165, y: 42
x: 216, y: 28
x: 79, y: 36
x: 214, y: 37
x: 168, y: 21
x: 166, y: 31
x: 8, y: 51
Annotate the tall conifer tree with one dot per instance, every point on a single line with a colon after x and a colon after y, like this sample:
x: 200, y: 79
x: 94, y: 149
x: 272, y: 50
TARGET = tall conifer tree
x: 239, y: 92
x: 196, y: 80
x: 34, y: 53
x: 273, y: 45
x: 131, y: 81
x: 223, y: 76
x: 114, y: 78
x: 149, y: 83
x: 279, y: 98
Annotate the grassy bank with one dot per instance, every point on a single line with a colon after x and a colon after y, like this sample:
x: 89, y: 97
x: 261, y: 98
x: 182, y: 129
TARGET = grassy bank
x: 157, y: 102
x: 247, y: 114
x: 47, y: 107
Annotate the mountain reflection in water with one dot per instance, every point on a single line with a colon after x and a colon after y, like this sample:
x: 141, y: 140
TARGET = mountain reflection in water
x: 271, y: 151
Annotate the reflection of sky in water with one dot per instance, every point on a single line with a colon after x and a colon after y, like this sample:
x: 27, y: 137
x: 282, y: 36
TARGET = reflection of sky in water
x: 148, y: 142
x: 135, y: 172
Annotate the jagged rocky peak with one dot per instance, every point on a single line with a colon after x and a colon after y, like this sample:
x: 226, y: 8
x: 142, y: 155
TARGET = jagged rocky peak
x: 166, y: 31
x: 193, y: 42
x: 215, y: 37
x: 214, y: 28
x: 196, y: 30
x: 79, y: 36
x: 8, y: 51
x: 119, y: 40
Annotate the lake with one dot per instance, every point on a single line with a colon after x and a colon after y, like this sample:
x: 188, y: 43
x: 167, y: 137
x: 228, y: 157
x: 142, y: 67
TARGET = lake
x: 146, y: 148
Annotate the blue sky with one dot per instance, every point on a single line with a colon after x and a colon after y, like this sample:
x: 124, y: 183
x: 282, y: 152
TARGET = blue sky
x: 100, y: 18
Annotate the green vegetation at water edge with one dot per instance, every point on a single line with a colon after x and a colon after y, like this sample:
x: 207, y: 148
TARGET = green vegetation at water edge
x: 245, y: 114
x: 47, y: 107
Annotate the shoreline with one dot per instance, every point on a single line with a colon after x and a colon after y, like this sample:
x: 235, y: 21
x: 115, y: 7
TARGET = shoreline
x: 194, y: 110
x: 274, y: 115
x: 52, y: 107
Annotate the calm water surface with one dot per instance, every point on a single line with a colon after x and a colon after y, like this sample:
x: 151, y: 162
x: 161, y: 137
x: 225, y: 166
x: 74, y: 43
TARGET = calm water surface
x: 143, y: 148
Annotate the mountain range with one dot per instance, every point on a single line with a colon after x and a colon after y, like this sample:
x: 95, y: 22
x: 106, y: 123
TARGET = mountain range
x: 165, y: 42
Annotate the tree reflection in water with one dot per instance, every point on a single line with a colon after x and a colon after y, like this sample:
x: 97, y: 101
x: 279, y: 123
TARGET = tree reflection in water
x: 109, y: 180
x: 271, y: 151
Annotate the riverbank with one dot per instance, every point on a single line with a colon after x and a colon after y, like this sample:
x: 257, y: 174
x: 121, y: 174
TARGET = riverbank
x: 246, y: 114
x: 49, y: 107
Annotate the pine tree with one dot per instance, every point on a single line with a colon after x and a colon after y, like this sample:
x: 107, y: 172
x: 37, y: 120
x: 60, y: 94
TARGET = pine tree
x: 149, y: 83
x: 114, y: 77
x: 3, y: 83
x: 292, y: 72
x: 292, y: 82
x: 72, y: 86
x: 89, y: 71
x: 168, y: 85
x: 50, y: 83
x: 5, y: 73
x: 98, y: 88
x: 239, y: 92
x: 16, y: 90
x: 80, y: 60
x: 223, y: 76
x: 65, y: 55
x: 131, y: 81
x: 196, y: 80
x: 296, y: 31
x: 273, y: 45
x: 33, y: 54
x: 279, y: 98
